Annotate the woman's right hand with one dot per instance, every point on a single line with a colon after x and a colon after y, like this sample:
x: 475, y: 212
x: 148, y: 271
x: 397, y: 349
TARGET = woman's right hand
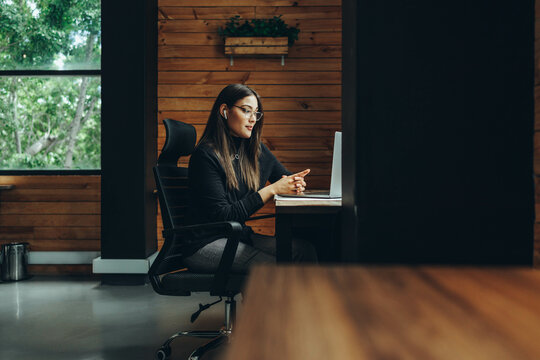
x: 291, y: 184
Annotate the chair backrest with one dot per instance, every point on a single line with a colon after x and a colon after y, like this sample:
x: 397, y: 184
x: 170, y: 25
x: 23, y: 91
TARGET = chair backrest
x: 172, y: 185
x: 172, y: 180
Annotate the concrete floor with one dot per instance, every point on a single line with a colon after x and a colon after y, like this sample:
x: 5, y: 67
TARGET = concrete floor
x: 73, y: 318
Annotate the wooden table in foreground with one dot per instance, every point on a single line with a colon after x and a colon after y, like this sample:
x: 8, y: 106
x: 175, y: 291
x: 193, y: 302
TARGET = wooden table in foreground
x: 339, y: 312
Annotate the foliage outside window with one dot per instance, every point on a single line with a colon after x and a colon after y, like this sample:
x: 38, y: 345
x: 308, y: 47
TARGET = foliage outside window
x: 50, y: 84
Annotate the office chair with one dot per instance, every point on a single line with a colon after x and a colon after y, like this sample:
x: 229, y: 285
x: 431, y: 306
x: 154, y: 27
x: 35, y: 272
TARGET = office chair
x: 167, y: 274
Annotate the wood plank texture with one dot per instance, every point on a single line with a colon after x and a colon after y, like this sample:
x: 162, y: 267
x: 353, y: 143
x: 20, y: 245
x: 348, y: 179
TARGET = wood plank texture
x: 313, y: 118
x: 73, y: 208
x: 78, y: 270
x: 248, y: 12
x: 256, y: 3
x: 52, y: 213
x: 212, y: 26
x: 276, y: 104
x: 212, y: 38
x: 265, y: 91
x: 287, y: 131
x: 389, y: 313
x: 301, y: 100
x: 209, y: 13
x: 248, y: 77
x: 212, y: 51
x: 290, y: 13
x: 241, y: 64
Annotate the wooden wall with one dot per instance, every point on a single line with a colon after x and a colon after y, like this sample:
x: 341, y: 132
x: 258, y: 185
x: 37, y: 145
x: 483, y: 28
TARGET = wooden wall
x: 302, y: 100
x: 52, y: 213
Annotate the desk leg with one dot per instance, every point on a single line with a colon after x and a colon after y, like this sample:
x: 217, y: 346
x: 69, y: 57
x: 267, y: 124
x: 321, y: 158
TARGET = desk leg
x: 283, y: 238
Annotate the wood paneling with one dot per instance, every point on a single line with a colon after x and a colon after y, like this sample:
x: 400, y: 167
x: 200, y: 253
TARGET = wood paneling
x: 265, y: 91
x: 212, y: 26
x: 194, y: 13
x: 210, y: 51
x: 301, y: 100
x: 313, y: 118
x: 276, y: 104
x: 83, y: 270
x: 249, y: 78
x: 270, y: 131
x: 249, y: 64
x: 207, y: 38
x: 31, y: 208
x: 248, y: 12
x: 257, y: 3
x: 52, y: 213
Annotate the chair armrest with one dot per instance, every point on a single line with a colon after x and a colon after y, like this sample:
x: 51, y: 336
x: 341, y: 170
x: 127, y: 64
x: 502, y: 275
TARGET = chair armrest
x: 261, y: 217
x: 231, y: 229
x: 225, y: 263
x: 227, y: 227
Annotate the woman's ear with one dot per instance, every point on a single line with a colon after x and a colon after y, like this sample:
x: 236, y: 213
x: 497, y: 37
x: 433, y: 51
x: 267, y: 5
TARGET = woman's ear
x: 223, y: 110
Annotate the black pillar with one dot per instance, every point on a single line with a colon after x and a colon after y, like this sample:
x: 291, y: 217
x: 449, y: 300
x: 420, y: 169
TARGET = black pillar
x: 442, y: 126
x: 129, y: 128
x: 349, y: 99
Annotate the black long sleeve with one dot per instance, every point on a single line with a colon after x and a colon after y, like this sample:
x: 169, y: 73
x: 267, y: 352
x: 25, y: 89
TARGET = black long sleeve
x: 277, y: 168
x: 211, y: 201
x: 209, y: 192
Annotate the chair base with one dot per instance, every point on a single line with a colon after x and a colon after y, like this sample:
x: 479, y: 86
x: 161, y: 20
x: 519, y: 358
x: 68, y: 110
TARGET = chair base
x: 218, y: 337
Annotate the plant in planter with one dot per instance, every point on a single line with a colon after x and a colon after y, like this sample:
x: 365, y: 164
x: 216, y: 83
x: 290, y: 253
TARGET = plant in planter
x: 258, y: 37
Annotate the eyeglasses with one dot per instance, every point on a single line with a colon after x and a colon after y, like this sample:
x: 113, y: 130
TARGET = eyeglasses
x: 248, y: 113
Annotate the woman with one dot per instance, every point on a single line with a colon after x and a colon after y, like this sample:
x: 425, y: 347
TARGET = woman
x: 228, y: 171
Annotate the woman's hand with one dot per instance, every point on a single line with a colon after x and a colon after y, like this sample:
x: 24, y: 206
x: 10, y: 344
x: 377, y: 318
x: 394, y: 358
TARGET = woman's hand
x: 291, y: 184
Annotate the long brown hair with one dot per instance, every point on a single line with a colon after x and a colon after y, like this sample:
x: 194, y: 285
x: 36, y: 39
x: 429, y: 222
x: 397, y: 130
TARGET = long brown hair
x: 217, y: 135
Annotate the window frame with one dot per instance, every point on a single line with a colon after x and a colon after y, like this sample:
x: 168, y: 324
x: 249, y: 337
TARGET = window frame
x: 51, y: 73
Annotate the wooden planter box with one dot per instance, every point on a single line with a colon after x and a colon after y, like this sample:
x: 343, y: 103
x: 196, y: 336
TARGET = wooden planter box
x: 256, y: 46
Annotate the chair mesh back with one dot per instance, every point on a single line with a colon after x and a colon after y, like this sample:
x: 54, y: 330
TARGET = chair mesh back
x: 172, y: 186
x: 171, y: 180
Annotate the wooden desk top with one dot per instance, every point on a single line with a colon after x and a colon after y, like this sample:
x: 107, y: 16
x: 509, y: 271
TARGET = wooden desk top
x: 293, y: 312
x: 294, y: 201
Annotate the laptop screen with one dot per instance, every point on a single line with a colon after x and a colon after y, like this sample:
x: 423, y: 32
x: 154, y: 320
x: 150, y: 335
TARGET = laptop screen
x: 335, y: 181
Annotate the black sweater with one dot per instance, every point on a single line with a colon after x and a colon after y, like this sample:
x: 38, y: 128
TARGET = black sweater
x: 211, y: 201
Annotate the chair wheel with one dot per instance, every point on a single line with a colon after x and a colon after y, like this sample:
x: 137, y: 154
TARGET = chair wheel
x: 163, y: 353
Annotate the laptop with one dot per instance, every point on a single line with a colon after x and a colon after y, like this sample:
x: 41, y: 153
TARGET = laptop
x: 335, y: 180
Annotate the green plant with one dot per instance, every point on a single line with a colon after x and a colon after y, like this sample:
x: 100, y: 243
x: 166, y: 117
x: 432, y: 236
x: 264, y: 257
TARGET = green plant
x: 274, y: 27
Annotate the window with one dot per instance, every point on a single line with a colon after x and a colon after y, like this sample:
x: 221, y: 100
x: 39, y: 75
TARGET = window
x: 50, y: 103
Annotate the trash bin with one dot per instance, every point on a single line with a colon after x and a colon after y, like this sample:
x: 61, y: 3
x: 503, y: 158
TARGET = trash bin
x: 14, y: 258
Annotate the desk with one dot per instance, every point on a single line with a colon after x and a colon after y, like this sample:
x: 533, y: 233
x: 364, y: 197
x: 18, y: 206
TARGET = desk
x: 291, y: 212
x: 294, y: 312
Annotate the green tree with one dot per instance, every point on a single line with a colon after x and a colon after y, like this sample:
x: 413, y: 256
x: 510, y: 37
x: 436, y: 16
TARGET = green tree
x: 50, y: 122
